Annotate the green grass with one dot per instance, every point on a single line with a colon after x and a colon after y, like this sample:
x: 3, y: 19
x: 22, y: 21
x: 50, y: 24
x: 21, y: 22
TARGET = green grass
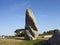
x: 31, y: 42
x: 22, y: 42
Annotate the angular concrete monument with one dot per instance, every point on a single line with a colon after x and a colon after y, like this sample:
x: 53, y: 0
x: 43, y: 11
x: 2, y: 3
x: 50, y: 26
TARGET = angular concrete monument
x: 55, y: 39
x: 31, y: 30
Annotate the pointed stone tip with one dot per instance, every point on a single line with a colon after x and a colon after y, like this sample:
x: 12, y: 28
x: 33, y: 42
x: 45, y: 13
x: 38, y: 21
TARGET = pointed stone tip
x: 28, y: 9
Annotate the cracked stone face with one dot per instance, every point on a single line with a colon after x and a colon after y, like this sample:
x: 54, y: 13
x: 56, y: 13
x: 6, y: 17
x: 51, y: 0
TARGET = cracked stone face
x: 31, y: 30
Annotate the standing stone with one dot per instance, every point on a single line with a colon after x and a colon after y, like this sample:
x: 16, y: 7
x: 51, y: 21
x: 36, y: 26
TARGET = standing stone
x: 31, y: 30
x: 55, y: 39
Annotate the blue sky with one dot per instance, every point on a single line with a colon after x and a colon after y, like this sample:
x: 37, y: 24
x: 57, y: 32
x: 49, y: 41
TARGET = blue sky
x: 12, y: 14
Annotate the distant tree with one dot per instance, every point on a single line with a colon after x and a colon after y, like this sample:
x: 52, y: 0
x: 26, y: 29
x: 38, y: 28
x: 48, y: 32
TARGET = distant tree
x: 50, y: 32
x: 44, y: 33
x: 56, y: 30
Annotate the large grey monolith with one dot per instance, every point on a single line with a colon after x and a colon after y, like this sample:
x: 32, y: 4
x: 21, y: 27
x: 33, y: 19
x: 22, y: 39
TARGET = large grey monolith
x: 55, y: 39
x: 31, y: 30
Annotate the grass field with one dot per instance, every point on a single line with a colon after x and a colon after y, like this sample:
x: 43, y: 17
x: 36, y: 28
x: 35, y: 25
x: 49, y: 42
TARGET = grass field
x: 4, y: 41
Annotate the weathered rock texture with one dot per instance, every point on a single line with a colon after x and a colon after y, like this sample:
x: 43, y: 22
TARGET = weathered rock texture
x: 55, y: 40
x: 31, y: 30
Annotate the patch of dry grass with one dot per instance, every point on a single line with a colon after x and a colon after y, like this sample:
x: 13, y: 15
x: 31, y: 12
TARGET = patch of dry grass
x: 10, y: 41
x: 4, y: 41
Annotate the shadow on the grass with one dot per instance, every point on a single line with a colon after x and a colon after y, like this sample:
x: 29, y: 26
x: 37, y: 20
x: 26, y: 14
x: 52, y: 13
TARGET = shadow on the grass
x: 44, y: 42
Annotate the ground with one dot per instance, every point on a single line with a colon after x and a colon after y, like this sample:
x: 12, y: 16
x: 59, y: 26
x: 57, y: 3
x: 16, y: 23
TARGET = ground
x: 5, y: 41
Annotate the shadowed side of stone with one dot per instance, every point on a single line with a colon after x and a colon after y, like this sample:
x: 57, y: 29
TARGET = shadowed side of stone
x: 31, y: 30
x: 55, y: 39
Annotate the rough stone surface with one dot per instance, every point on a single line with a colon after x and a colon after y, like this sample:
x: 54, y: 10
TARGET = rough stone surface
x: 55, y: 39
x: 31, y: 30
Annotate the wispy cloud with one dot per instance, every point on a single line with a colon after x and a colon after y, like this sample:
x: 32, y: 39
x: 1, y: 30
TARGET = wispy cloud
x: 17, y: 6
